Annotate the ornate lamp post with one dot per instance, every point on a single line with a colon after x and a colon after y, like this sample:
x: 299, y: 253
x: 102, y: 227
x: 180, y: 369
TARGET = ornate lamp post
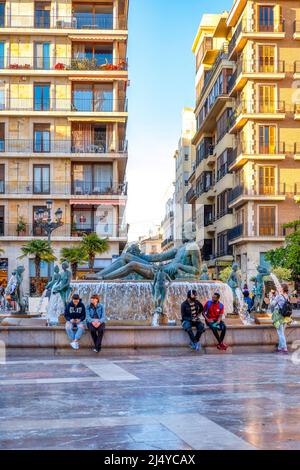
x: 43, y: 219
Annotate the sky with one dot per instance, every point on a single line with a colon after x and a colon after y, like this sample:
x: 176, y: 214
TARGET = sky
x: 162, y: 83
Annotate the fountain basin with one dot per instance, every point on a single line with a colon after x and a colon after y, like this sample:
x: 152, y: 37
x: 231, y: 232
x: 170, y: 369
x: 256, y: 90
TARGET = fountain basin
x: 132, y: 300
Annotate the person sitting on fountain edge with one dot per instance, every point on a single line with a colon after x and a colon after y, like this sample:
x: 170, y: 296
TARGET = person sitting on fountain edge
x: 75, y: 317
x: 213, y: 312
x: 191, y: 310
x: 95, y: 318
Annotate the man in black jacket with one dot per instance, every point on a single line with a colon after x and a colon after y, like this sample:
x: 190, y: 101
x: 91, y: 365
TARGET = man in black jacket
x: 191, y: 310
x: 75, y: 318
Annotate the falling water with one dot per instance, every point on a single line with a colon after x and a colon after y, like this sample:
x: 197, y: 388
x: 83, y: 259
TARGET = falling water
x: 132, y: 300
x: 55, y: 308
x: 276, y: 281
x: 39, y: 307
x: 243, y: 307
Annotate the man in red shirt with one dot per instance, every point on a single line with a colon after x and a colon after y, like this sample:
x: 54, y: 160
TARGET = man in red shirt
x: 213, y: 312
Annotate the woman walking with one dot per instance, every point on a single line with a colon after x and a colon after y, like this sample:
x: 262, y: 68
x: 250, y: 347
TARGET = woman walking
x: 95, y: 317
x: 281, y: 316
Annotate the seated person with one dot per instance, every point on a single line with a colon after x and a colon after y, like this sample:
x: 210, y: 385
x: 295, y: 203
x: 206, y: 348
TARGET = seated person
x: 95, y: 318
x: 191, y: 310
x: 213, y: 312
x: 75, y: 317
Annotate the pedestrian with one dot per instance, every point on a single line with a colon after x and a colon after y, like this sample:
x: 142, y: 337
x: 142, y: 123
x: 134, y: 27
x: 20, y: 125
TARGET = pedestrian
x: 191, y: 310
x: 281, y: 309
x: 75, y: 318
x: 213, y: 313
x: 95, y: 317
x: 248, y: 300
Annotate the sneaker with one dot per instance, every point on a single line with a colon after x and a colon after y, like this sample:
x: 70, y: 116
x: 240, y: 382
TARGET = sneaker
x: 284, y: 351
x: 219, y: 347
x: 96, y: 350
x: 73, y: 345
x: 193, y: 346
x: 224, y: 346
x: 198, y: 346
x: 77, y: 345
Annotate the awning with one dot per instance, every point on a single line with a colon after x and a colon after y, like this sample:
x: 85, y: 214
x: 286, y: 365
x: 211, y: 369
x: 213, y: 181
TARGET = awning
x: 97, y: 78
x: 97, y: 38
x: 98, y: 202
x: 97, y: 119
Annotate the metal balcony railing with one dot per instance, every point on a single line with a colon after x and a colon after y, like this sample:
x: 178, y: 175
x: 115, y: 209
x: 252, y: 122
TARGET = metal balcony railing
x: 223, y: 55
x: 61, y: 146
x: 249, y: 26
x: 42, y: 19
x: 257, y: 230
x: 81, y: 62
x: 263, y: 65
x: 259, y: 148
x: 190, y: 194
x: 75, y: 230
x: 54, y: 104
x: 256, y: 107
x: 74, y: 188
x: 281, y: 189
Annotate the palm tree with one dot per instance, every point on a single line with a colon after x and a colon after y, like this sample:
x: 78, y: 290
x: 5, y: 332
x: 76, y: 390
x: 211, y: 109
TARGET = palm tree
x: 93, y: 245
x: 41, y: 252
x: 75, y: 255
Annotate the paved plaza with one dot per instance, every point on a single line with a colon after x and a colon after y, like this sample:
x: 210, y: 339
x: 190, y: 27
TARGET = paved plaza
x: 182, y: 402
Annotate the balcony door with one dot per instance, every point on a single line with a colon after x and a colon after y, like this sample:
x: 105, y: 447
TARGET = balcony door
x: 41, y: 179
x: 93, y: 16
x: 266, y: 18
x: 2, y: 211
x: 267, y: 220
x: 2, y: 14
x: 266, y: 180
x: 41, y: 135
x: 42, y: 55
x: 95, y: 97
x: 267, y: 140
x: 2, y: 178
x: 92, y: 179
x: 266, y: 57
x: 42, y: 15
x: 42, y: 97
x: 267, y: 98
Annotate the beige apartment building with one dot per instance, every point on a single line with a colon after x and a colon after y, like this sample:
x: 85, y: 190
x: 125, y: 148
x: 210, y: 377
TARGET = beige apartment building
x: 151, y: 244
x: 184, y: 160
x: 247, y: 176
x: 63, y: 115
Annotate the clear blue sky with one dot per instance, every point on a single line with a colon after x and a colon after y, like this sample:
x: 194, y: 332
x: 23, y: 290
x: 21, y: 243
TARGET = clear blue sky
x: 162, y: 76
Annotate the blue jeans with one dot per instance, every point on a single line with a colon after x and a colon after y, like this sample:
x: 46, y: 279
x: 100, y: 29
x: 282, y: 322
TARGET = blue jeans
x: 74, y: 331
x: 282, y: 341
x: 188, y: 327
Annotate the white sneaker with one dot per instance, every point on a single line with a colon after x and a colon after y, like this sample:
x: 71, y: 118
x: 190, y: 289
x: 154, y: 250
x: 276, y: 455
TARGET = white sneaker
x: 73, y: 344
x: 77, y: 345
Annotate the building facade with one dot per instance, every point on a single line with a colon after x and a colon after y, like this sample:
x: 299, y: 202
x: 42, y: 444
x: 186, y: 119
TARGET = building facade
x: 63, y: 115
x: 184, y: 160
x: 151, y: 245
x: 168, y: 225
x: 247, y: 176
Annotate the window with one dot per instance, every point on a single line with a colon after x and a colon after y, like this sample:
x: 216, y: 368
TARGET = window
x: 97, y: 219
x: 41, y: 138
x: 267, y: 140
x: 98, y: 53
x: 2, y: 137
x: 2, y: 178
x: 42, y: 14
x: 266, y: 18
x: 266, y: 59
x: 42, y: 97
x: 267, y: 218
x: 223, y: 124
x: 90, y: 16
x: 37, y: 231
x: 2, y: 209
x: 222, y: 204
x: 267, y: 99
x: 41, y: 179
x: 267, y: 180
x: 2, y: 47
x: 42, y: 55
x: 222, y: 164
x: 223, y: 248
x: 89, y: 98
x: 92, y: 179
x: 2, y: 96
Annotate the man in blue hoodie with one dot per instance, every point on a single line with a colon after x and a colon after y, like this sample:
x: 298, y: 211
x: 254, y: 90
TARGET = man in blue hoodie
x: 75, y: 318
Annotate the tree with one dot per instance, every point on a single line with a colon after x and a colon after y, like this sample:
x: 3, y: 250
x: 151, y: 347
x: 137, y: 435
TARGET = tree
x: 41, y: 252
x: 75, y: 255
x: 283, y: 274
x: 288, y: 256
x: 225, y: 273
x: 91, y: 244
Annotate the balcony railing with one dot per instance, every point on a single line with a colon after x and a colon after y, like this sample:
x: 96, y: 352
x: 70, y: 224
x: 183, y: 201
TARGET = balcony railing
x: 259, y: 148
x: 274, y: 190
x: 263, y: 65
x: 75, y: 105
x: 167, y: 241
x: 257, y: 230
x: 296, y: 26
x: 66, y: 230
x: 256, y: 107
x: 62, y: 146
x: 45, y: 20
x: 223, y: 55
x: 248, y: 26
x: 64, y: 63
x: 297, y: 108
x: 190, y: 194
x: 75, y: 188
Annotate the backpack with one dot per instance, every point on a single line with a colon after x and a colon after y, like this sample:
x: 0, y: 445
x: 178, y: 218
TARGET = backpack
x: 286, y: 310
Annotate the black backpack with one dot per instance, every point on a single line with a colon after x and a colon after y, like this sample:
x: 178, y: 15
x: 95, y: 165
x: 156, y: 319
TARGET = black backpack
x: 286, y: 310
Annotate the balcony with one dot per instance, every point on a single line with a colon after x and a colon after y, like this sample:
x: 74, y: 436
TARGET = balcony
x: 297, y: 30
x: 42, y: 20
x: 167, y: 242
x: 256, y: 151
x: 222, y: 55
x: 66, y: 231
x: 240, y: 195
x: 251, y: 70
x: 248, y: 30
x: 75, y: 106
x: 256, y: 232
x: 63, y: 65
x: 297, y: 111
x: 61, y: 189
x: 256, y: 110
x: 191, y: 195
x: 63, y: 147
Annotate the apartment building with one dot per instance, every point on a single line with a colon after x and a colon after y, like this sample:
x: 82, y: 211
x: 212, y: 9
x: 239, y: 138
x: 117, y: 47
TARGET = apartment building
x: 151, y: 244
x: 168, y: 225
x: 63, y: 115
x: 247, y: 177
x: 184, y: 160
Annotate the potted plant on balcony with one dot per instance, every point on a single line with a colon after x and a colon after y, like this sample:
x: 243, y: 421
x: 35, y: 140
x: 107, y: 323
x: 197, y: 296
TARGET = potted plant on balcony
x: 59, y: 66
x: 21, y: 226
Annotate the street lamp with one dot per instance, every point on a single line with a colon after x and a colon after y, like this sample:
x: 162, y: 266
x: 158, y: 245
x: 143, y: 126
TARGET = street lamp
x: 43, y: 220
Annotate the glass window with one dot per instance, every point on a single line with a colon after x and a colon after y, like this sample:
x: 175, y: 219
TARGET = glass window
x: 2, y: 178
x: 42, y: 14
x: 266, y: 18
x: 42, y: 97
x: 2, y: 136
x: 2, y: 14
x: 41, y: 137
x: 2, y: 47
x: 41, y: 179
x: 42, y: 56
